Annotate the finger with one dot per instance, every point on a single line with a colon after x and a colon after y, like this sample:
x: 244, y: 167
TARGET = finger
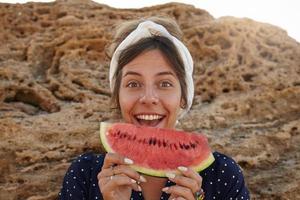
x: 112, y: 159
x: 189, y: 172
x: 124, y: 169
x: 180, y: 198
x: 121, y: 169
x: 105, y: 173
x: 113, y: 183
x: 119, y: 180
x: 172, y: 197
x: 187, y: 182
x: 108, y: 183
x: 179, y: 191
x: 136, y: 187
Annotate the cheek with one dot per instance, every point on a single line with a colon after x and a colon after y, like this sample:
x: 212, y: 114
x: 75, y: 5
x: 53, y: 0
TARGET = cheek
x: 126, y: 102
x: 172, y: 103
x: 175, y: 107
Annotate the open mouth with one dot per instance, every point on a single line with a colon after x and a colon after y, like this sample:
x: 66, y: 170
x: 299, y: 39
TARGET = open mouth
x: 149, y: 120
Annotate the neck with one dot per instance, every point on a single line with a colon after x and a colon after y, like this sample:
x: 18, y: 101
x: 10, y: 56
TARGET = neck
x: 152, y: 189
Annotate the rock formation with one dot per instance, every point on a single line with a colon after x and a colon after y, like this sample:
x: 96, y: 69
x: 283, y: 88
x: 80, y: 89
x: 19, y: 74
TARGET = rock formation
x: 54, y: 92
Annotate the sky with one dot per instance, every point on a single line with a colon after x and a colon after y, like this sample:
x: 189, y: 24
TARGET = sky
x: 282, y: 13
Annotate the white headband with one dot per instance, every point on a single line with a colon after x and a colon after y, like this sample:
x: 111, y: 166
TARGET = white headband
x: 148, y: 29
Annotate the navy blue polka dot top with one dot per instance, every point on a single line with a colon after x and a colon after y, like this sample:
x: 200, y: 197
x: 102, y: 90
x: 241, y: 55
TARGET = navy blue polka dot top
x: 223, y: 179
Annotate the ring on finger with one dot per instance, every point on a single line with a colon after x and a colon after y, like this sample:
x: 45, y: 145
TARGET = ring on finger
x: 199, y: 195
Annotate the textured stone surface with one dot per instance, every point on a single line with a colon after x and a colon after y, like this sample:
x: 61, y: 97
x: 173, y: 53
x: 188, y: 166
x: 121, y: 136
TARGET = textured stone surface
x: 54, y: 91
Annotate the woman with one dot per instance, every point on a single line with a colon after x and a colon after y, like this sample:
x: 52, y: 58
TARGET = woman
x: 151, y: 83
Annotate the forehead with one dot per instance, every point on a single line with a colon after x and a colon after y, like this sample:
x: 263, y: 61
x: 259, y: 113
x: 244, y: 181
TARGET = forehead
x: 149, y: 62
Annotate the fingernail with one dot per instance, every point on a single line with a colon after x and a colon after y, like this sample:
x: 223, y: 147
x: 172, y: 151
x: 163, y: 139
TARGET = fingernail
x: 142, y: 179
x: 170, y: 175
x: 183, y: 169
x: 128, y: 161
x: 133, y: 181
x: 165, y: 189
x: 139, y: 188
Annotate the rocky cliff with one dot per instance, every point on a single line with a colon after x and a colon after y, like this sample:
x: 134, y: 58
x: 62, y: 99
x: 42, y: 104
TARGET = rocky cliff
x: 54, y: 91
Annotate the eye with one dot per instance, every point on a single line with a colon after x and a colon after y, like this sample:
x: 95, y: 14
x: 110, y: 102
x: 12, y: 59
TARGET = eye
x: 165, y: 84
x: 133, y: 84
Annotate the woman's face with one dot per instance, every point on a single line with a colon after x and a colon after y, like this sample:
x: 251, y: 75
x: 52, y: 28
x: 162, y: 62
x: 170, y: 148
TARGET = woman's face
x: 150, y: 92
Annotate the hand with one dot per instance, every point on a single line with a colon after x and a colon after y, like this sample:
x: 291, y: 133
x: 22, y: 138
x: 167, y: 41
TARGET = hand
x: 116, y: 179
x: 188, y: 182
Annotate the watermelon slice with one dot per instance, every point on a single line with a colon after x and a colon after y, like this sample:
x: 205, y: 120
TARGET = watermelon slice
x: 156, y: 151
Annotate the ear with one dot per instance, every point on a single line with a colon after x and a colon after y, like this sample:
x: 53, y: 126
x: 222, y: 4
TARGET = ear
x: 182, y: 103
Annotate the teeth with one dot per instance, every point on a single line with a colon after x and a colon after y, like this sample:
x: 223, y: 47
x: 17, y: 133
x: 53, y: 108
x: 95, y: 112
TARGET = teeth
x: 149, y: 117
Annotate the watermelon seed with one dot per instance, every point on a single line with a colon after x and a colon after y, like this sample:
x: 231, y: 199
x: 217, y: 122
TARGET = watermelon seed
x: 124, y: 135
x: 193, y: 145
x: 154, y: 141
x: 150, y: 141
x: 181, y: 146
x: 186, y: 147
x: 175, y: 146
x: 159, y: 143
x: 164, y: 143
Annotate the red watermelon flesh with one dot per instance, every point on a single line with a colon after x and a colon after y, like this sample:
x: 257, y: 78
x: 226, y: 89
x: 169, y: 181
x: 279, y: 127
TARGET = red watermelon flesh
x: 156, y: 151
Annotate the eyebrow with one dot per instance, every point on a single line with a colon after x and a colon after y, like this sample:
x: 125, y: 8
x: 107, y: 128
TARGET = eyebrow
x: 158, y: 74
x: 165, y: 73
x: 131, y: 73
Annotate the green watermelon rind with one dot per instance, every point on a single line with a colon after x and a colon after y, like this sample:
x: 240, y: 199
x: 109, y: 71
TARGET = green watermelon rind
x: 104, y: 126
x: 162, y: 173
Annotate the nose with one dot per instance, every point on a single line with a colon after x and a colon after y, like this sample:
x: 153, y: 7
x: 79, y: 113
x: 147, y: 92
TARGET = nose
x: 149, y: 96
